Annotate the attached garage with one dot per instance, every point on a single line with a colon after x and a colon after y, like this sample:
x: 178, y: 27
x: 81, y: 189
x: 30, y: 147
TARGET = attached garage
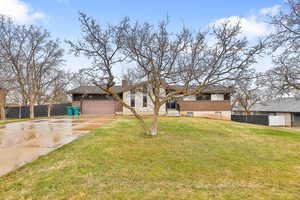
x: 93, y: 101
x: 98, y: 107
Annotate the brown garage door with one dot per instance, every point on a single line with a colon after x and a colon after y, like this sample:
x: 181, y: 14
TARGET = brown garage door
x: 98, y: 107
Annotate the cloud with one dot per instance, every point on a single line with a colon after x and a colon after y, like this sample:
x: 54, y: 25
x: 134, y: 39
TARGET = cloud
x: 250, y: 26
x: 271, y: 10
x: 253, y: 26
x: 19, y: 11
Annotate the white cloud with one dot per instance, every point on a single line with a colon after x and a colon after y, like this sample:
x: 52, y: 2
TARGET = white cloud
x: 19, y: 11
x: 271, y: 10
x: 253, y: 26
x: 250, y: 26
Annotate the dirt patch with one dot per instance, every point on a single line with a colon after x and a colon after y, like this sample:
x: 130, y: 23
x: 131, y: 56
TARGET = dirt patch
x: 88, y: 127
x: 101, y: 121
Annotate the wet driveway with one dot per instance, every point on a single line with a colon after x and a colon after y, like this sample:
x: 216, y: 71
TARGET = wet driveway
x: 23, y: 142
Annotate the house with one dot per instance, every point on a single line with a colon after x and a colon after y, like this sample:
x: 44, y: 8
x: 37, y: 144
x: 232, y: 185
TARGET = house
x: 281, y: 112
x: 212, y: 102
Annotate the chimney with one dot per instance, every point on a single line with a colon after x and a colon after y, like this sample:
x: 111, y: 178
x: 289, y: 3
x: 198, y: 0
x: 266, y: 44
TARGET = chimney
x: 124, y: 84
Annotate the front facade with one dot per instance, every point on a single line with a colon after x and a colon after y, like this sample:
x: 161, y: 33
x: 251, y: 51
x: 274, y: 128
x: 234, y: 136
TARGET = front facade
x: 213, y: 102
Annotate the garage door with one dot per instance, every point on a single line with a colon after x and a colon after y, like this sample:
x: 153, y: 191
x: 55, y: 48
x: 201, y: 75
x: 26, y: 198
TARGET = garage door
x: 98, y: 107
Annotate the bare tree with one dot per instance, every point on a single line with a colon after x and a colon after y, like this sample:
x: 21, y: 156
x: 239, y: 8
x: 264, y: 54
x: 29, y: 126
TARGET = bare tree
x: 56, y: 90
x: 31, y: 56
x: 79, y: 78
x: 285, y: 43
x: 250, y: 90
x: 163, y: 58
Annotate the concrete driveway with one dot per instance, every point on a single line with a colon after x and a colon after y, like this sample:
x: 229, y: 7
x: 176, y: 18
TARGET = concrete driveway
x: 23, y: 142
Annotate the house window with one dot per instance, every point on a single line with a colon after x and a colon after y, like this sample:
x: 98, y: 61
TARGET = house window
x: 296, y: 117
x: 144, y: 100
x: 171, y: 104
x: 145, y: 96
x: 218, y: 113
x: 227, y: 97
x: 201, y: 97
x: 132, y: 98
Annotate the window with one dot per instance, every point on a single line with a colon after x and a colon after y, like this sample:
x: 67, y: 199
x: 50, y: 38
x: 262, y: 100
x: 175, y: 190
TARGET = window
x: 227, y: 97
x: 145, y: 96
x: 144, y: 100
x: 171, y: 104
x: 296, y: 117
x: 218, y: 113
x: 132, y: 98
x: 201, y: 97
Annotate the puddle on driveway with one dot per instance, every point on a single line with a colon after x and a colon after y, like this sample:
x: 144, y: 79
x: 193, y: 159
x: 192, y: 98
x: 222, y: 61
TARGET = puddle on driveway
x: 22, y: 142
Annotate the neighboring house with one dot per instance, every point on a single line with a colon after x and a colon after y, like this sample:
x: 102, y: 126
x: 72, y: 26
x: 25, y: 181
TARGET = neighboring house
x: 281, y: 112
x: 212, y: 102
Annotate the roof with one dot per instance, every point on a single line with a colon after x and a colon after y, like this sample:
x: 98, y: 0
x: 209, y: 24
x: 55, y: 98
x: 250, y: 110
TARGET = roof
x: 118, y: 89
x: 291, y: 104
x: 209, y: 89
x: 92, y: 90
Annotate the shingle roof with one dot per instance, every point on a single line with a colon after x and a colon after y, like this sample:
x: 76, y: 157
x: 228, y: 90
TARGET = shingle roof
x: 118, y: 89
x: 291, y: 104
x: 92, y: 90
x: 209, y: 89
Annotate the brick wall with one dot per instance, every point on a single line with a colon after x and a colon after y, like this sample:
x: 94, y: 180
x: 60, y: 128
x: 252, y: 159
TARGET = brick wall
x: 205, y: 105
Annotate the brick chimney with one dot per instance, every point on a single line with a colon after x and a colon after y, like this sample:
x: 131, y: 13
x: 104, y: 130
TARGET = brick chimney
x: 124, y: 84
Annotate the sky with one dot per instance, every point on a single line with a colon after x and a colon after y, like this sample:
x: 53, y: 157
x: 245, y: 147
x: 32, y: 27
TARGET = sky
x: 60, y: 17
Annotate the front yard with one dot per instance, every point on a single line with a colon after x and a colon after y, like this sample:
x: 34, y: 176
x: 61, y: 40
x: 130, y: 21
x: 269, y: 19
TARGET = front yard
x: 191, y: 158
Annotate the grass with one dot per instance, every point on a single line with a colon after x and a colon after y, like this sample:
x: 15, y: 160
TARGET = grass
x: 191, y: 158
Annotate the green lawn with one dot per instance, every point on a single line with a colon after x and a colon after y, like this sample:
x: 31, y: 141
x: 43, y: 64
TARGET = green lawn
x: 191, y: 158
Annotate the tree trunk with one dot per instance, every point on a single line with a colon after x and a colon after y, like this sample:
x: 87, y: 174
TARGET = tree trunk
x: 49, y: 110
x: 20, y: 111
x: 2, y: 112
x: 154, y: 126
x: 31, y: 109
x: 139, y: 117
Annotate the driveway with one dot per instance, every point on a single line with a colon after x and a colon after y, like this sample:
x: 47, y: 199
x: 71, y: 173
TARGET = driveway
x: 23, y: 142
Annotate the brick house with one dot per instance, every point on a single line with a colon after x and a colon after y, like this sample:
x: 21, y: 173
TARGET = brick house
x: 212, y: 102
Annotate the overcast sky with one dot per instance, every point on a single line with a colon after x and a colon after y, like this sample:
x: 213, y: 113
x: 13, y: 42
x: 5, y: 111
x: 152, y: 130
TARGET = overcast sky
x: 60, y: 17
